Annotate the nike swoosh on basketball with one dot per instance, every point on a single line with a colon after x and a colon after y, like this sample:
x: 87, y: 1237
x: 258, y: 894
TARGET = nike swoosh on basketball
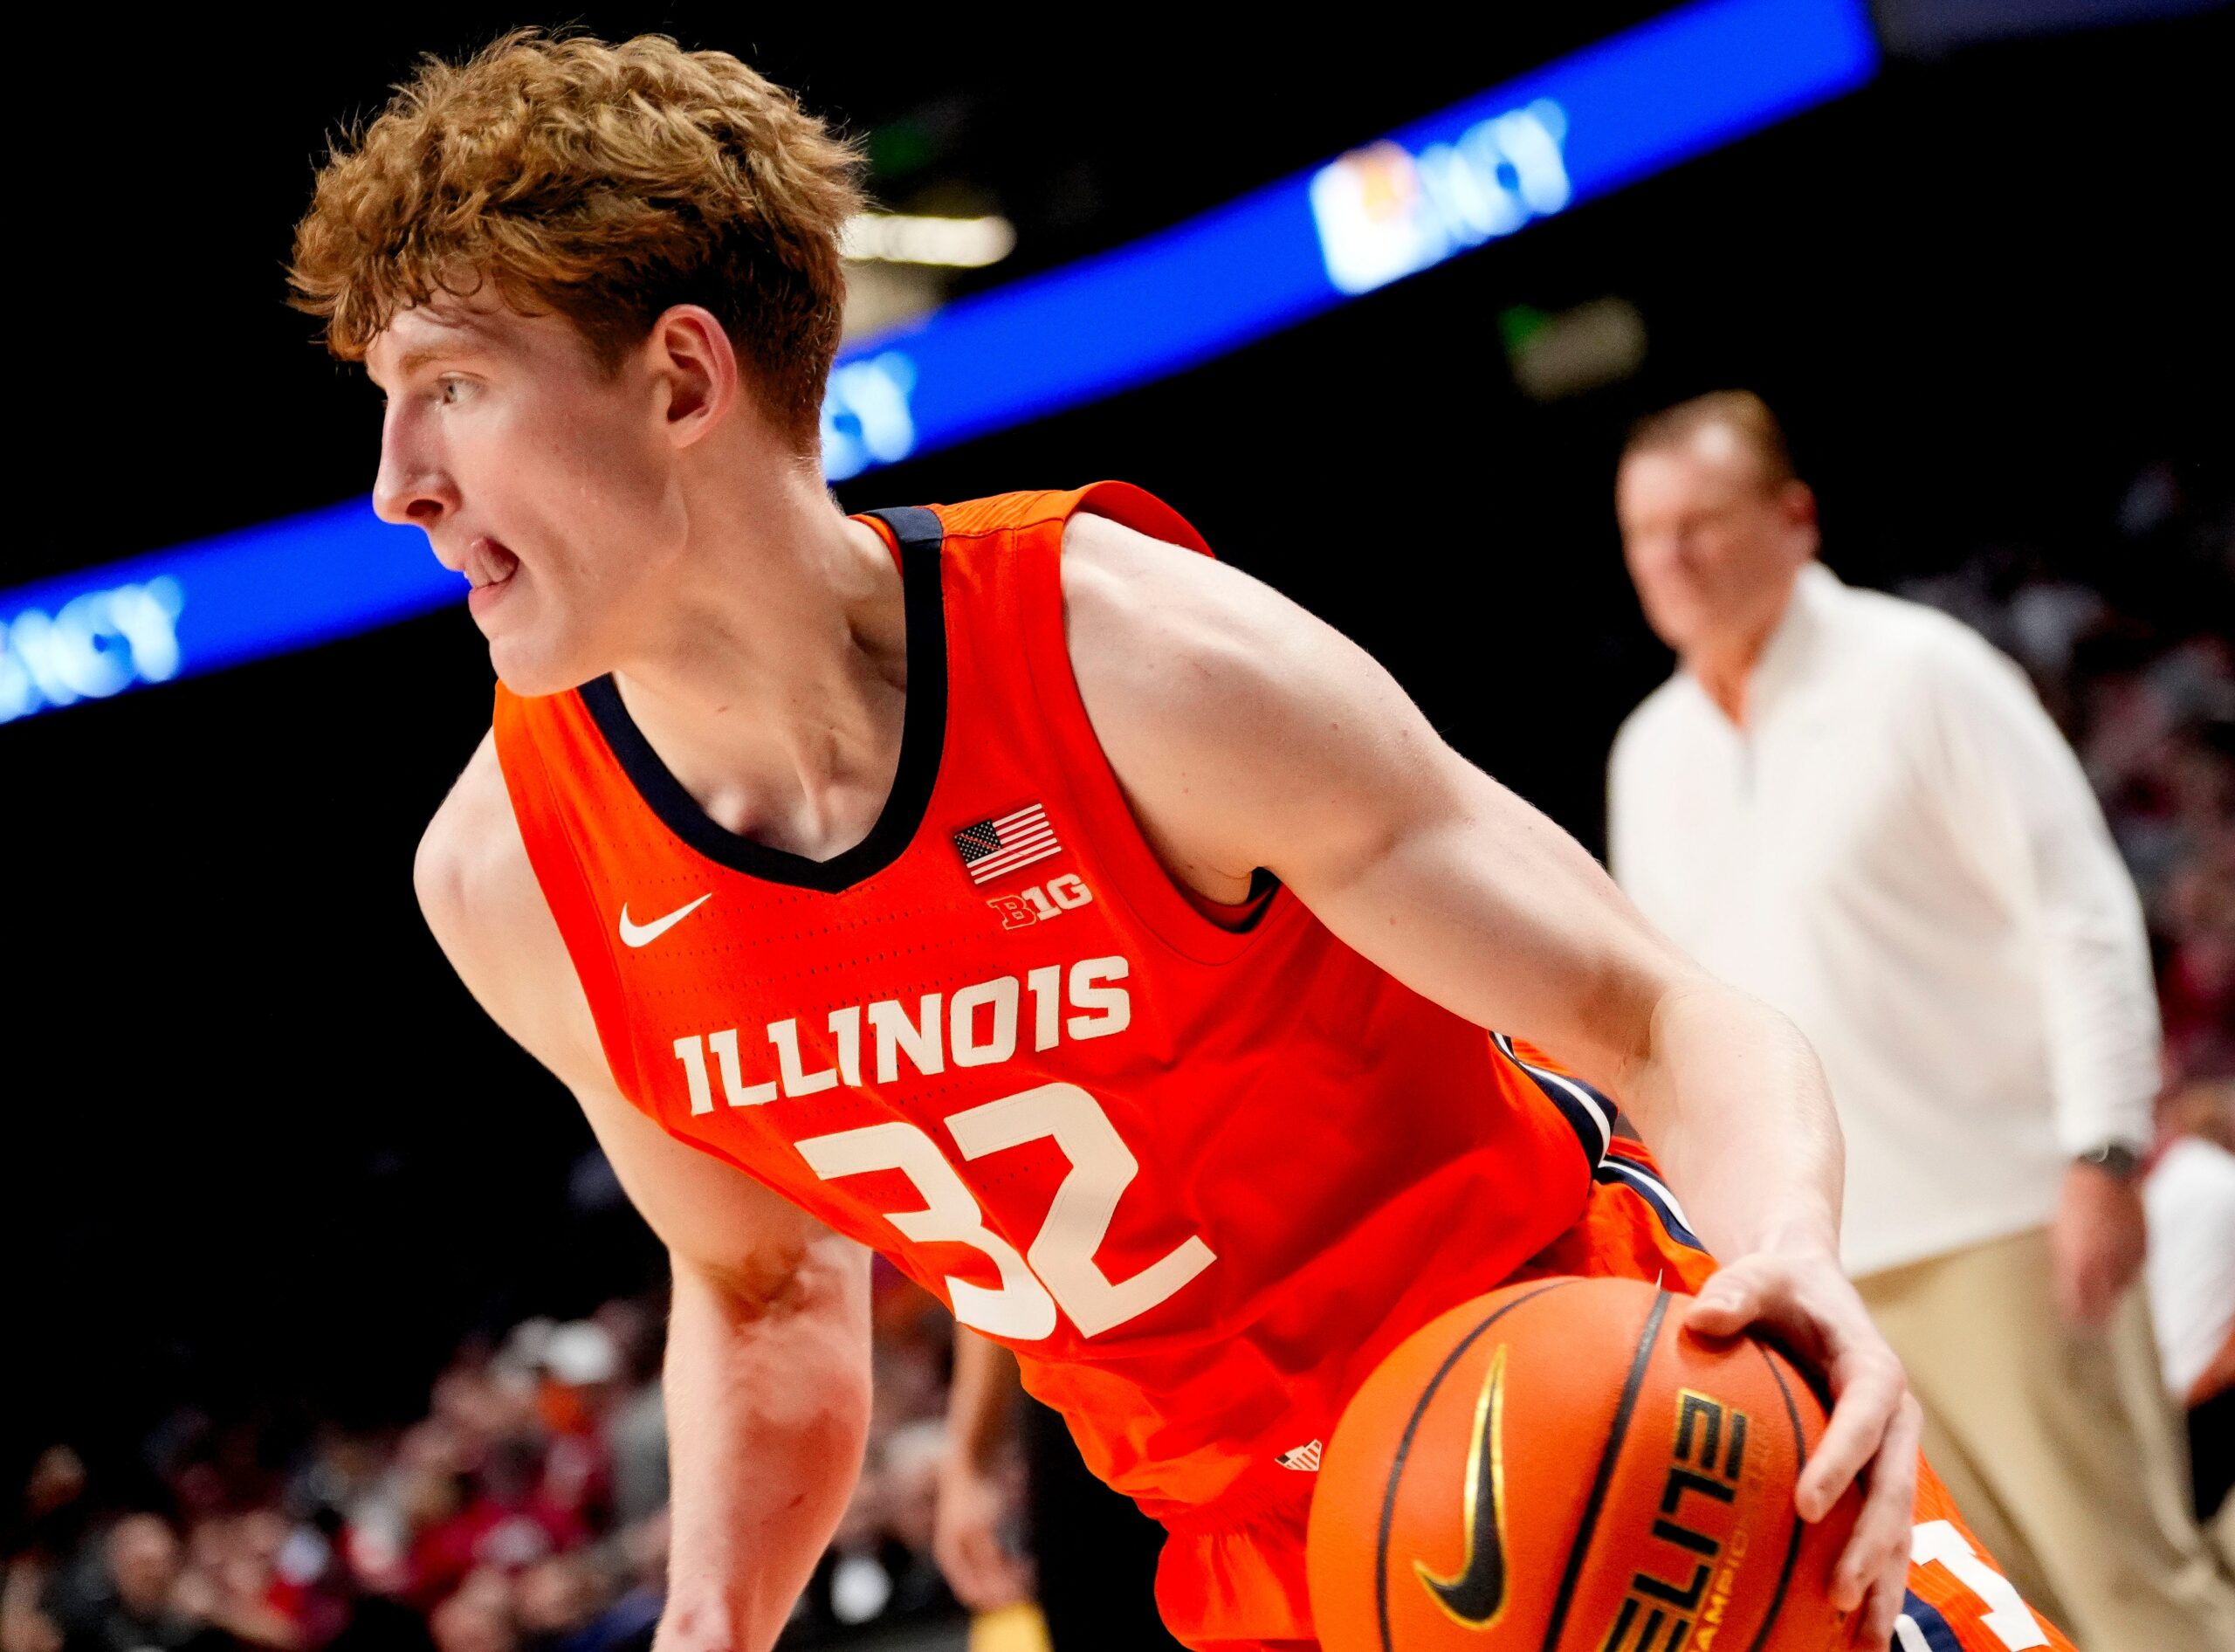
x: 645, y: 934
x: 1476, y: 1596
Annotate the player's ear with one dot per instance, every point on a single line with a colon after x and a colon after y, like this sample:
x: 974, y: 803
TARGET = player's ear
x: 690, y: 356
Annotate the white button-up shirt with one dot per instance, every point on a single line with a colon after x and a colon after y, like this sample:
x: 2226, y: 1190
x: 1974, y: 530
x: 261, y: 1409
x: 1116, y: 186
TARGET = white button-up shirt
x: 1900, y: 852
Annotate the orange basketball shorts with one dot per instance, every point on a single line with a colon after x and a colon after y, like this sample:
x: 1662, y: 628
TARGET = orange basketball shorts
x: 1232, y: 1575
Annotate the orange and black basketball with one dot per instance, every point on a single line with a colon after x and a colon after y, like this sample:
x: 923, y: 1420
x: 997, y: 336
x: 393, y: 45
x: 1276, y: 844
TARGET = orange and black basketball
x: 1558, y: 1466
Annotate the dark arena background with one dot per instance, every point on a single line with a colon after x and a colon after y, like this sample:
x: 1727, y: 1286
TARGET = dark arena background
x: 284, y: 1215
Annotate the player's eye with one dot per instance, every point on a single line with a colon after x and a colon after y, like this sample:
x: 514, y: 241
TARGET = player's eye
x: 450, y: 391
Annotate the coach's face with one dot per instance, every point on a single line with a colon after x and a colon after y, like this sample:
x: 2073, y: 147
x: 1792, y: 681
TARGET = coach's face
x: 548, y: 480
x: 1712, y: 544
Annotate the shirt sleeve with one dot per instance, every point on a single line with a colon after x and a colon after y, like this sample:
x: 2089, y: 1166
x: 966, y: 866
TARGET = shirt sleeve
x: 1620, y: 851
x: 1634, y: 851
x: 2022, y: 812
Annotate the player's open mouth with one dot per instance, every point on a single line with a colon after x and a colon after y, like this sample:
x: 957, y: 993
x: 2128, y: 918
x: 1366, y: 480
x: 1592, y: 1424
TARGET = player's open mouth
x: 489, y: 569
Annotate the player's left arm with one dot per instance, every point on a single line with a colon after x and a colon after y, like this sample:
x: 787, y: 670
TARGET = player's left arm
x: 1245, y: 733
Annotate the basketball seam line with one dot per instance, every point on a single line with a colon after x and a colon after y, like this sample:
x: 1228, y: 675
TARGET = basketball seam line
x: 1580, y: 1547
x: 1792, y: 1548
x: 1405, y: 1447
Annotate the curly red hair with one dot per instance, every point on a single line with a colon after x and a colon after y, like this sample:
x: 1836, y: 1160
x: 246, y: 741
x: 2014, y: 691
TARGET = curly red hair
x: 603, y: 183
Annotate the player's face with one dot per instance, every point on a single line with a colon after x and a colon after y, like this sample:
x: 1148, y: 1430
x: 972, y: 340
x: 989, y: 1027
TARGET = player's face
x: 1712, y: 547
x: 544, y: 478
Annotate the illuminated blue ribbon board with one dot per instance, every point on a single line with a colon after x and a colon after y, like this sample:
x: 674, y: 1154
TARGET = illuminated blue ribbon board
x: 1585, y: 126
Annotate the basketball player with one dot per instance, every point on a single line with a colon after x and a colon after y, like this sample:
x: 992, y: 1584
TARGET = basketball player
x: 1009, y: 887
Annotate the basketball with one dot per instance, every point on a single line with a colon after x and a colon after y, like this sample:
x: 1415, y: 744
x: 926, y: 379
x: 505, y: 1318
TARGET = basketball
x: 1556, y: 1465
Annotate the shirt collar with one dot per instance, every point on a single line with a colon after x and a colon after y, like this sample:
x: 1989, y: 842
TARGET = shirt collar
x: 1793, y: 644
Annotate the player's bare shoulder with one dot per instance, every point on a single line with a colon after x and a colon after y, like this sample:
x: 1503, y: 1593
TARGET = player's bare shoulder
x: 1122, y: 588
x: 1164, y: 641
x: 472, y: 863
x: 478, y: 893
x: 1230, y: 715
x: 1157, y: 633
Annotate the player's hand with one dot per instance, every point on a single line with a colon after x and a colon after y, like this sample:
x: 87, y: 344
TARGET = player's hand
x: 966, y: 1539
x: 1804, y: 1300
x: 686, y: 1626
x: 2096, y: 1242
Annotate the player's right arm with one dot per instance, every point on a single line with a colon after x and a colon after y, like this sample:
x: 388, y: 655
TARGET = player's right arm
x: 767, y: 1373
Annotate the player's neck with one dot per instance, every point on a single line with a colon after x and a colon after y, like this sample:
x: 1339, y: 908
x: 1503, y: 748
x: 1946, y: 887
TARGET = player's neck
x: 773, y: 679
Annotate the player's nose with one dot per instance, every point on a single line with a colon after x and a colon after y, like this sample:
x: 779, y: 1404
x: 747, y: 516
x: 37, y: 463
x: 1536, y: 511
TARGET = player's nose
x: 410, y: 489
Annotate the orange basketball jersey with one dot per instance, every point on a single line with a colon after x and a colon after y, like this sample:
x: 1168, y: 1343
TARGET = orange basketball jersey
x: 1200, y: 1169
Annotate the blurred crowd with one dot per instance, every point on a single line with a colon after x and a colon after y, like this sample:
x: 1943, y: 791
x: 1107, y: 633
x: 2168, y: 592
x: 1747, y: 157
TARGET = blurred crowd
x: 525, y: 1511
x: 2127, y: 640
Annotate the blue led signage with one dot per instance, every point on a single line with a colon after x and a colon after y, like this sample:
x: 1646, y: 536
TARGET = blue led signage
x: 1532, y: 149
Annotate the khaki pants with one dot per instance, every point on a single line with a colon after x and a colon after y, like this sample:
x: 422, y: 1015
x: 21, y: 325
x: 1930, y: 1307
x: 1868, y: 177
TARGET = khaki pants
x: 2060, y: 1447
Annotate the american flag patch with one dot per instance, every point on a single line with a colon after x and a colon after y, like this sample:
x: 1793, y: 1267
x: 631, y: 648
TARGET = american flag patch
x: 1304, y: 1459
x: 993, y: 847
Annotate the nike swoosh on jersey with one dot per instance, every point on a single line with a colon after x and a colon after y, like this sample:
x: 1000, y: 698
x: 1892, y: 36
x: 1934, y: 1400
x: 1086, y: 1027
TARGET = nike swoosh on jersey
x: 645, y: 934
x: 1477, y: 1597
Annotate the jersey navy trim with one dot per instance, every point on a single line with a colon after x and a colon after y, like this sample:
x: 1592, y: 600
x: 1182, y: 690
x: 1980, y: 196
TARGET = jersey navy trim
x: 1589, y: 1114
x: 1654, y: 1191
x: 923, y: 733
x: 1932, y: 1633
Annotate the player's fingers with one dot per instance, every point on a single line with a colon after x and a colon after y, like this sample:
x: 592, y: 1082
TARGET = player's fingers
x: 947, y: 1534
x: 1768, y: 1294
x: 1873, y: 1572
x: 1864, y: 1562
x: 1888, y: 1596
x: 1733, y: 1299
x: 1004, y: 1581
x: 1000, y: 1578
x: 1869, y: 1387
x: 1016, y: 1581
x: 969, y: 1587
x: 991, y: 1585
x: 956, y: 1570
x: 962, y: 1552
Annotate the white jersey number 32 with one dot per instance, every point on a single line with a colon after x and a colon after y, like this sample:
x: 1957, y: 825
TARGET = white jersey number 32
x: 1058, y: 1268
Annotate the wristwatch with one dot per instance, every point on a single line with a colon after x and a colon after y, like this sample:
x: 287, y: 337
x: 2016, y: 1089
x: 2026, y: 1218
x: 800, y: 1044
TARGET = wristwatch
x: 2118, y: 1160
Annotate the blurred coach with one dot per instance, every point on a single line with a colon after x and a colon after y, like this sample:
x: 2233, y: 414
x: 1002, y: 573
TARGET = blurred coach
x: 1854, y: 807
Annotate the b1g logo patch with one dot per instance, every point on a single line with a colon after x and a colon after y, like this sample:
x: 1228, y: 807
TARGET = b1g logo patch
x: 1042, y: 902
